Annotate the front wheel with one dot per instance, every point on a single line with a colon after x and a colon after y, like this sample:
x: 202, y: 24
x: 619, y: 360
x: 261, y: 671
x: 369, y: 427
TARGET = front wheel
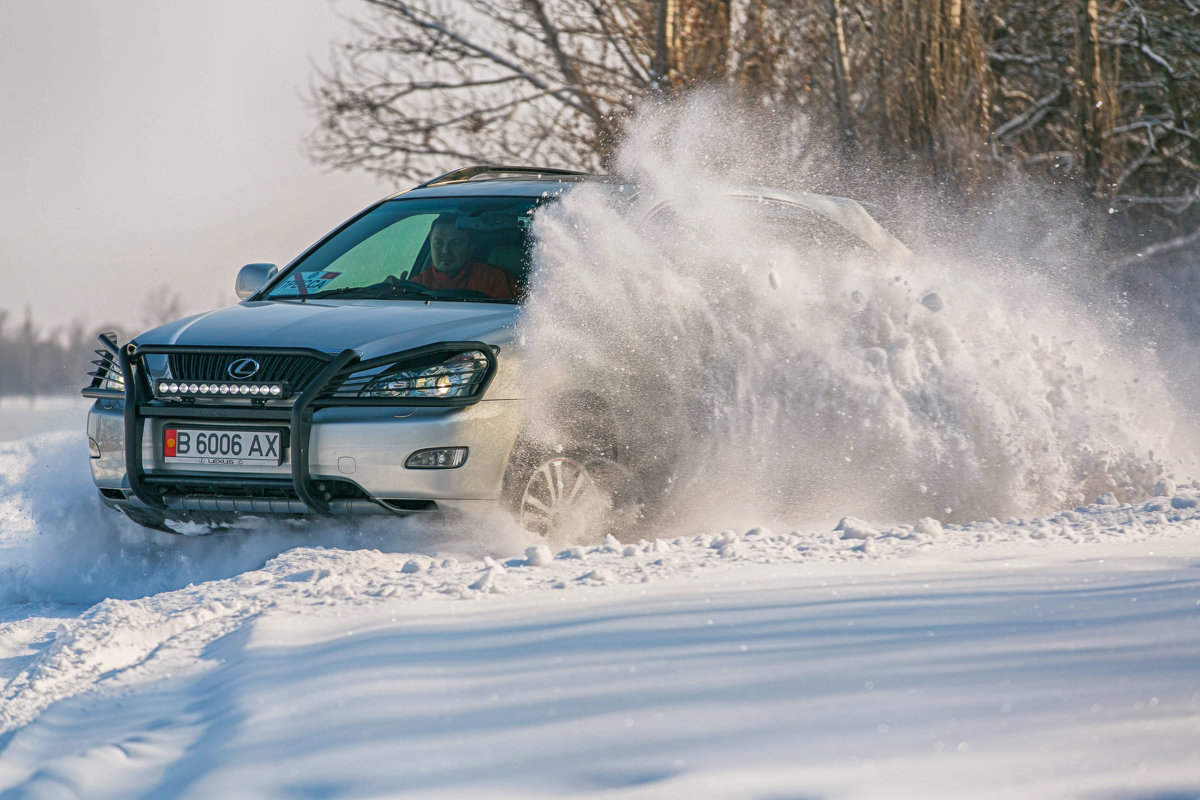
x: 571, y: 501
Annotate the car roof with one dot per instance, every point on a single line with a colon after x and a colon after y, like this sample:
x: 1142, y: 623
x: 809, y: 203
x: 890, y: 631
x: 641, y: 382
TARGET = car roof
x: 511, y: 181
x: 499, y: 181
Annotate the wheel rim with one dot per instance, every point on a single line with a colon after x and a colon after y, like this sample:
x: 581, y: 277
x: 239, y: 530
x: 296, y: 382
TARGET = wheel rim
x: 560, y: 497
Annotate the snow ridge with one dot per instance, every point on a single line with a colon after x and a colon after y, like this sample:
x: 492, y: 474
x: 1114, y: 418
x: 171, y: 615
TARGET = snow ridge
x: 119, y: 643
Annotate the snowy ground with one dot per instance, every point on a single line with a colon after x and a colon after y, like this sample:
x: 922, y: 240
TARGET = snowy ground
x: 1039, y: 658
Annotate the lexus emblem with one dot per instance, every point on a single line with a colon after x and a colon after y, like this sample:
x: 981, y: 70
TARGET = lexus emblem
x: 243, y: 369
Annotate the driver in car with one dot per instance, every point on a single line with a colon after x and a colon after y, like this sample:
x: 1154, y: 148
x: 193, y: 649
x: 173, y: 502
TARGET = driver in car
x: 455, y: 267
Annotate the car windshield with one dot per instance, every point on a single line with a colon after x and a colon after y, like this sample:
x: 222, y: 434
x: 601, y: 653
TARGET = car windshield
x: 472, y: 249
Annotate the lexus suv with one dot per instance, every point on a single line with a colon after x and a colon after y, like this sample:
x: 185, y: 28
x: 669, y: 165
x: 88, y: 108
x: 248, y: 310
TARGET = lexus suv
x: 378, y: 373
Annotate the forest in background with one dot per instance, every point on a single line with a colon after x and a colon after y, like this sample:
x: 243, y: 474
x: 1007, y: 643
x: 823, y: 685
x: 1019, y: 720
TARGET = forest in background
x: 35, y: 360
x: 1095, y: 100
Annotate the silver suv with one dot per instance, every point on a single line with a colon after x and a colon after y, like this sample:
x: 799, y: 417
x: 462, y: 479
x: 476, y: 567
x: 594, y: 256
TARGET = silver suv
x: 378, y: 373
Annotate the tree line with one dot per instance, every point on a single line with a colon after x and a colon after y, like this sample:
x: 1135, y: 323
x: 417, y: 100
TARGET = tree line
x: 1097, y: 98
x: 36, y: 360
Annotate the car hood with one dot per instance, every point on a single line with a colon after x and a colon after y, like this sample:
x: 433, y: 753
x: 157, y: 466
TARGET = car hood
x: 371, y: 327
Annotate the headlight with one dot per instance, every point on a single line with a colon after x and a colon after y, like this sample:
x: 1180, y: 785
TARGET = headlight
x: 113, y: 379
x: 458, y: 376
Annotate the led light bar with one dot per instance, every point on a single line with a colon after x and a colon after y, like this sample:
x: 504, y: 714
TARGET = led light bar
x: 165, y: 388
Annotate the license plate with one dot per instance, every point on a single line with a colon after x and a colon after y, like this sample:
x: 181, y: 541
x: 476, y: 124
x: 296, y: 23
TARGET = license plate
x: 221, y: 448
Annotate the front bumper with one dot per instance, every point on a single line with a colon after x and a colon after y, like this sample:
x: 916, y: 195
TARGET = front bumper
x: 363, y: 448
x: 337, y: 459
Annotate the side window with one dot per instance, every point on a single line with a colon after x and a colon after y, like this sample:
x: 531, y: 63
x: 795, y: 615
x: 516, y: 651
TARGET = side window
x: 808, y: 231
x: 789, y: 224
x: 392, y: 251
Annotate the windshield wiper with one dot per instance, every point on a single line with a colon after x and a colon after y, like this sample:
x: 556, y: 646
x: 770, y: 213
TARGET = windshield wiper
x: 370, y: 293
x: 508, y: 301
x: 389, y: 290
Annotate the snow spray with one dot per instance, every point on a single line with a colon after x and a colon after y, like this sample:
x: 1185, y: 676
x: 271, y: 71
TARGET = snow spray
x: 58, y: 544
x: 758, y: 375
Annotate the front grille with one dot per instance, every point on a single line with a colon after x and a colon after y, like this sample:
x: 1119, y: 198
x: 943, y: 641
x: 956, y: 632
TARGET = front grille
x: 297, y: 372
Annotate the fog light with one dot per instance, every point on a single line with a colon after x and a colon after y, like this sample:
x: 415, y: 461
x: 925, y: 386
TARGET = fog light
x: 437, y: 458
x: 93, y: 448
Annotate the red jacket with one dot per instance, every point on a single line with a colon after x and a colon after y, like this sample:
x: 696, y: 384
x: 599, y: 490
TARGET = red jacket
x: 476, y: 276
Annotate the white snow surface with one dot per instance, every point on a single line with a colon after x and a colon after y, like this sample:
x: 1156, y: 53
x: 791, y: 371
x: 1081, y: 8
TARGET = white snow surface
x: 1052, y: 657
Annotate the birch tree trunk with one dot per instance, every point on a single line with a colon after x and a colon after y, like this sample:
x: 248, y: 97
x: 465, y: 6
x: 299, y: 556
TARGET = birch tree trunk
x: 1091, y: 99
x: 847, y: 137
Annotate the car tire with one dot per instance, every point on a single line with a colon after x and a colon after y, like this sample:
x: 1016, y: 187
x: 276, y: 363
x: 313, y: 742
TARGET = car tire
x: 569, y: 499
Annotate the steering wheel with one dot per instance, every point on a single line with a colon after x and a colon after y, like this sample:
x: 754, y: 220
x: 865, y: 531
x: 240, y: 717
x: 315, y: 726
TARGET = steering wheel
x: 392, y: 283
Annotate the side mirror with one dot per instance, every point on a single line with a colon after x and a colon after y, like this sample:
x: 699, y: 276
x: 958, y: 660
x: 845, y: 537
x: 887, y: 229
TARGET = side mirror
x: 253, y: 277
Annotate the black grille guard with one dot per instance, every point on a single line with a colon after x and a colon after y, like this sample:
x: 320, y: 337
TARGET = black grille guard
x: 140, y: 404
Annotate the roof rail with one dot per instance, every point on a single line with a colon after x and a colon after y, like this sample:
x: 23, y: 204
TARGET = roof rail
x: 467, y: 173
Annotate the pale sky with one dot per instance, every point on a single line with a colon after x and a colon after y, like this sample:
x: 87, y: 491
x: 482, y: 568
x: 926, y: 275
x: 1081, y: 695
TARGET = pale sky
x: 145, y: 142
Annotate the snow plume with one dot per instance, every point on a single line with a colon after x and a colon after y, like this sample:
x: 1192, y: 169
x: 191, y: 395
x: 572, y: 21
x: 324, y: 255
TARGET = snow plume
x: 58, y: 544
x: 769, y: 376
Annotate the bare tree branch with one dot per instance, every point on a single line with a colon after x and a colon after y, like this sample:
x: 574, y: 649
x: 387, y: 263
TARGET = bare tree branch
x: 480, y: 50
x: 955, y: 89
x: 1160, y: 249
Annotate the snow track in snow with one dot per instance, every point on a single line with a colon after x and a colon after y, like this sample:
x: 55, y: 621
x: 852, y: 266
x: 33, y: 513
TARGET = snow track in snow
x: 1047, y: 657
x: 120, y: 642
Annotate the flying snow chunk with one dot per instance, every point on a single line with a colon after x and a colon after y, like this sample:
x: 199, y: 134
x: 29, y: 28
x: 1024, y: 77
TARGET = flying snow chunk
x: 929, y: 526
x: 853, y: 528
x: 1165, y: 488
x: 538, y: 555
x: 489, y: 580
x: 933, y: 301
